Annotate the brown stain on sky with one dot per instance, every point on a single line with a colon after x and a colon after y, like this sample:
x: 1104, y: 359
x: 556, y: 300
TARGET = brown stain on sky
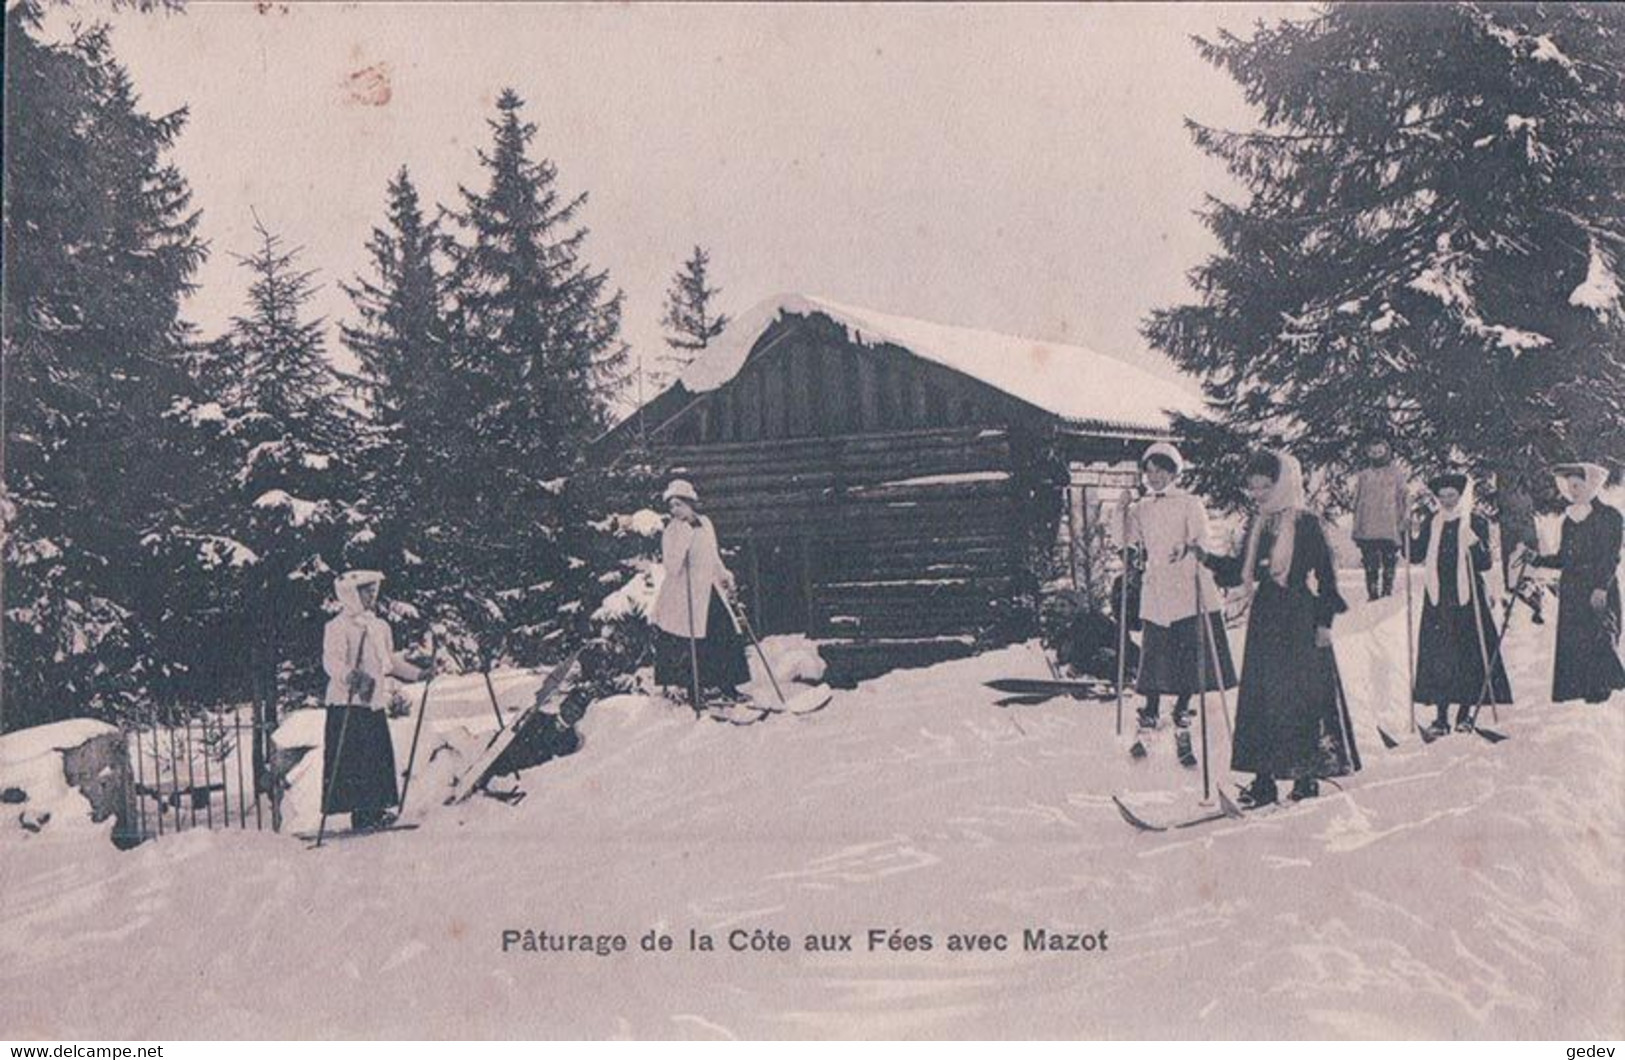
x: 368, y: 86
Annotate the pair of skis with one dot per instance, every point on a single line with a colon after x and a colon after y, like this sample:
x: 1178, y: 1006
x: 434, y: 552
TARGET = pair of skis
x: 354, y: 833
x: 749, y: 712
x: 1489, y: 656
x: 1226, y: 810
x: 479, y: 772
x: 1025, y: 692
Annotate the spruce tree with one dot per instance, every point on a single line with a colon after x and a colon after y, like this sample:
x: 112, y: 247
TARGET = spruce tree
x: 401, y: 341
x: 100, y: 247
x: 538, y: 357
x: 1430, y: 242
x: 286, y: 454
x: 691, y: 322
x: 400, y: 338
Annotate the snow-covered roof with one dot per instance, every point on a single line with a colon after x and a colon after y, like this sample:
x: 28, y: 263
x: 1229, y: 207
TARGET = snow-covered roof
x: 1072, y: 382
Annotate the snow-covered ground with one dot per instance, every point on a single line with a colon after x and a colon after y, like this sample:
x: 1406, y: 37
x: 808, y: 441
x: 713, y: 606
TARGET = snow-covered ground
x: 1452, y: 890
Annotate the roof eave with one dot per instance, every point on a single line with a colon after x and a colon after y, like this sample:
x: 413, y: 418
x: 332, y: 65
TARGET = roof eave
x: 1116, y: 428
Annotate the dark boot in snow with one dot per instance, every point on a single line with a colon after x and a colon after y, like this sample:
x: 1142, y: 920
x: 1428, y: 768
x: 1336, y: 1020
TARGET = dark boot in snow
x: 1147, y: 717
x: 1261, y: 792
x: 1441, y: 724
x: 1464, y: 718
x: 1182, y: 744
x: 1304, y: 788
x: 366, y: 820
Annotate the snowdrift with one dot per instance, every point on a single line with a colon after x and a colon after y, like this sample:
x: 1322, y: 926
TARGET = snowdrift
x: 1453, y: 890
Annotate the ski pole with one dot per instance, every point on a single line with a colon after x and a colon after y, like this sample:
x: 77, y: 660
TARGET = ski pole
x: 417, y: 728
x: 1410, y: 649
x: 1485, y: 689
x: 693, y: 646
x: 491, y: 693
x: 1201, y: 682
x: 742, y: 623
x: 338, y: 749
x: 1122, y: 630
x: 1473, y: 595
x: 1344, y: 719
x: 1206, y: 631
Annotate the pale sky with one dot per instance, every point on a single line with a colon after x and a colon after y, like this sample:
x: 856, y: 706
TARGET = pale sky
x: 1022, y: 169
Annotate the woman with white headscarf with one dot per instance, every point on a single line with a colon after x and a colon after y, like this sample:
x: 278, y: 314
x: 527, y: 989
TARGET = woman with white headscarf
x: 1455, y: 636
x: 1587, y: 665
x: 1291, y: 721
x: 358, y: 653
x: 1168, y: 527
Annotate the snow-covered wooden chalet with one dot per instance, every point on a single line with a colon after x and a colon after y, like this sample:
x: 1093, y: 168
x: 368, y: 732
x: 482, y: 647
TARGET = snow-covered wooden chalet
x: 893, y: 488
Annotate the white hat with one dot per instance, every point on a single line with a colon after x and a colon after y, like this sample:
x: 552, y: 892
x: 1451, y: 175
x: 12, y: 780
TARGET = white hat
x: 347, y: 587
x: 681, y: 489
x: 1163, y: 449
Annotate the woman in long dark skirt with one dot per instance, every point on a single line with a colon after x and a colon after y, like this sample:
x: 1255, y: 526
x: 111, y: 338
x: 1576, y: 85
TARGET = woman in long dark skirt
x: 1291, y: 719
x: 1588, y: 619
x: 690, y: 604
x: 358, y: 654
x: 1457, y: 634
x: 1179, y: 657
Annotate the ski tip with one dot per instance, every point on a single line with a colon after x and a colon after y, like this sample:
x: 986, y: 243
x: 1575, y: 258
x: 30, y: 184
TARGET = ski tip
x: 1228, y: 806
x: 1022, y: 701
x: 1133, y: 819
x: 1490, y: 734
x: 1387, y: 740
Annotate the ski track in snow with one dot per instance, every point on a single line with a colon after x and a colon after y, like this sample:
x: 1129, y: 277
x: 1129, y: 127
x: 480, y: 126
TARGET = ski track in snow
x: 1453, y: 890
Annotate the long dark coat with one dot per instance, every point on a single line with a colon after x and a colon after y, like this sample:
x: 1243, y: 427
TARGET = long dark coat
x: 1587, y: 665
x: 1449, y: 652
x: 1291, y: 718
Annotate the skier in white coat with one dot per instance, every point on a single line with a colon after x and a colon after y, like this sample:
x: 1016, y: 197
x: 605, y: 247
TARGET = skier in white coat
x: 1178, y: 656
x: 358, y: 654
x: 693, y: 628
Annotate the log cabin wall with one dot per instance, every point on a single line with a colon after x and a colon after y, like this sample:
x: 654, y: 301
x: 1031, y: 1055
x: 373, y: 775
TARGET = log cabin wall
x: 899, y: 545
x: 894, y: 509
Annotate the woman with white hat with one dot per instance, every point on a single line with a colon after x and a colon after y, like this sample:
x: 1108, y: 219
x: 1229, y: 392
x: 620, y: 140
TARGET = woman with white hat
x: 695, y: 638
x: 1184, y: 649
x: 358, y: 653
x: 1456, y: 628
x: 1587, y: 665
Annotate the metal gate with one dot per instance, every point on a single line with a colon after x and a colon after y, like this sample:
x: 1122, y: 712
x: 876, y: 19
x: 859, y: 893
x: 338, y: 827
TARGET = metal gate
x: 199, y: 768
